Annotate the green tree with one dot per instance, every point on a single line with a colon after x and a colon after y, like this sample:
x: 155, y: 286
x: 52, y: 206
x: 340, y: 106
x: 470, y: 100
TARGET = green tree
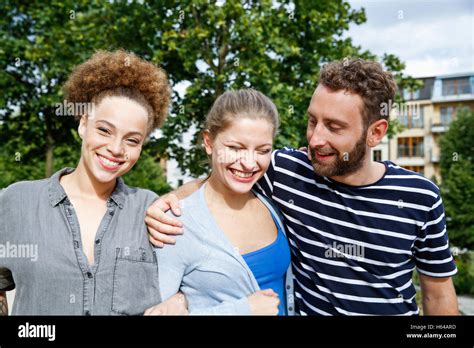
x: 457, y: 168
x: 39, y: 46
x: 276, y: 47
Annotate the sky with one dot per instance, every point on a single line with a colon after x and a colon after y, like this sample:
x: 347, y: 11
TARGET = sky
x: 432, y: 37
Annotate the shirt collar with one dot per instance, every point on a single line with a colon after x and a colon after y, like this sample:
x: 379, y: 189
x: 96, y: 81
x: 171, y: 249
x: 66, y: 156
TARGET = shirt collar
x: 57, y: 194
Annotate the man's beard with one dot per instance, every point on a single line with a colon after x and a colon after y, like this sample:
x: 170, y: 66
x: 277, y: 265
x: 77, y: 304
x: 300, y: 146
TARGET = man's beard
x: 346, y: 164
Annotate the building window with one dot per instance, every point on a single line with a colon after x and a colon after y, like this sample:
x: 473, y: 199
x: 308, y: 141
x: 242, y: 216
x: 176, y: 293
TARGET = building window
x: 418, y: 169
x: 410, y: 147
x: 411, y: 95
x: 456, y: 86
x: 412, y: 117
x: 377, y: 155
x: 447, y: 114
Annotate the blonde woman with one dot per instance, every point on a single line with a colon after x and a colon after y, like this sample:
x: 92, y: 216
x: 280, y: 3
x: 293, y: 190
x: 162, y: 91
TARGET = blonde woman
x: 233, y: 255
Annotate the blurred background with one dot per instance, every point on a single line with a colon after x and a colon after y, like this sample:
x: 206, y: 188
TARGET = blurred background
x: 277, y: 47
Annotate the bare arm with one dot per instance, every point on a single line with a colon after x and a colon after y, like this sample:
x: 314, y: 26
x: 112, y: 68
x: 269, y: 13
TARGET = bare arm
x: 438, y: 296
x: 3, y: 303
x: 188, y: 188
x: 161, y: 226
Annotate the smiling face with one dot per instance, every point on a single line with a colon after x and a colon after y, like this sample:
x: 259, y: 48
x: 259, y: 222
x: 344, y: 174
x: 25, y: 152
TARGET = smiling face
x: 240, y: 153
x: 337, y: 137
x: 112, y: 140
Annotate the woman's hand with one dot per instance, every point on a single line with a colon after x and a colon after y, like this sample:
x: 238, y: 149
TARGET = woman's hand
x: 161, y: 226
x: 175, y: 305
x: 264, y: 302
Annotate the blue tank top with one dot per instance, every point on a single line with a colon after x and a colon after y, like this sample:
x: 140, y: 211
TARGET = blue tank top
x: 269, y: 266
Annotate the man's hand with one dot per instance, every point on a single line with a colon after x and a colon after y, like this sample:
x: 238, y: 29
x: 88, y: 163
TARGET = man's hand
x: 175, y: 305
x: 264, y: 302
x: 438, y: 296
x: 161, y: 226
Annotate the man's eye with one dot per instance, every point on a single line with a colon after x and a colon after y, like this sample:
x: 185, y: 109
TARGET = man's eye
x: 134, y: 141
x: 235, y: 148
x: 333, y: 127
x: 265, y: 152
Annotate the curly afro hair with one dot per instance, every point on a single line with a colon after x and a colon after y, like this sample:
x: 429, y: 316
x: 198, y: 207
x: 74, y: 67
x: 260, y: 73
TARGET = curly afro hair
x: 121, y: 73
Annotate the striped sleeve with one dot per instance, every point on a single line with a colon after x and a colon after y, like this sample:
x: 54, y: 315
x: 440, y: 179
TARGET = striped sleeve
x: 265, y: 184
x: 432, y: 253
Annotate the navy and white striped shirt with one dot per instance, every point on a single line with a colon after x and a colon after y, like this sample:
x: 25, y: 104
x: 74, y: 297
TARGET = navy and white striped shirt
x: 354, y: 248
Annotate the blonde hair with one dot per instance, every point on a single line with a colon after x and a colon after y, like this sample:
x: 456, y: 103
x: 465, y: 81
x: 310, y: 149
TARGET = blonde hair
x: 242, y: 103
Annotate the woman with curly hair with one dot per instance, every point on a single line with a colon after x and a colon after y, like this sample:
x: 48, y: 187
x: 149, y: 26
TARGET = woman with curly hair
x: 83, y: 227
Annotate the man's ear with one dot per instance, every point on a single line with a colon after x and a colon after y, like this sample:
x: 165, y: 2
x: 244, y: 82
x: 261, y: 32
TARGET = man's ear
x: 81, y: 129
x: 376, y: 132
x: 207, y: 141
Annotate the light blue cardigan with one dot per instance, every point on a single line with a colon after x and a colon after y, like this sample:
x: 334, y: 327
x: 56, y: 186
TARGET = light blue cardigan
x: 205, y: 266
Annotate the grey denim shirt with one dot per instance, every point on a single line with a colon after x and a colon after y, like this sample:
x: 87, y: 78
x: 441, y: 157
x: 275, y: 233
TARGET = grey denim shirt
x: 41, y: 252
x: 206, y: 267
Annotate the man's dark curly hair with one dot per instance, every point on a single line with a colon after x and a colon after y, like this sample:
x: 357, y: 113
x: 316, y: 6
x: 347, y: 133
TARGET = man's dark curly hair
x: 365, y: 78
x: 121, y: 73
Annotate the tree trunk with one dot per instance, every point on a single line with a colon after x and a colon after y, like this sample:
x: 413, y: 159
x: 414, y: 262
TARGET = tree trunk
x: 49, y: 145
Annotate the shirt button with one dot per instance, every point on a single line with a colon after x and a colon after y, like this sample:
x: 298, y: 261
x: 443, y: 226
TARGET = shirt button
x: 288, y: 287
x: 291, y: 201
x: 87, y: 313
x: 400, y: 296
x: 111, y: 213
x: 290, y: 308
x: 89, y: 274
x: 97, y: 241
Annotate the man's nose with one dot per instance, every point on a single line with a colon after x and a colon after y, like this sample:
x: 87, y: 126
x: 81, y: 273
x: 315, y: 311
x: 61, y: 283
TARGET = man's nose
x: 319, y: 137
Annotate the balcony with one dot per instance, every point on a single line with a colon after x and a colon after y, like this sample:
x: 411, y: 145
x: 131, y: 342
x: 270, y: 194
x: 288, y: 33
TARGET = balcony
x: 434, y: 156
x: 439, y: 127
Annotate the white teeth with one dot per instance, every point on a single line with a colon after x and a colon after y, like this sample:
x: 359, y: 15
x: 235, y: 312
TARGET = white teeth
x: 241, y: 174
x: 108, y: 162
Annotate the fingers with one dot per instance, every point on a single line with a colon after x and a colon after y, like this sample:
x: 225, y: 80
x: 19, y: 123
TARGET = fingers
x: 269, y: 292
x: 161, y: 217
x: 174, y: 204
x: 163, y: 227
x: 155, y: 242
x: 157, y: 211
x: 160, y: 239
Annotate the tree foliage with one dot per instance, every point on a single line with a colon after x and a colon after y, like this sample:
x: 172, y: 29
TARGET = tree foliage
x: 275, y: 47
x: 457, y: 169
